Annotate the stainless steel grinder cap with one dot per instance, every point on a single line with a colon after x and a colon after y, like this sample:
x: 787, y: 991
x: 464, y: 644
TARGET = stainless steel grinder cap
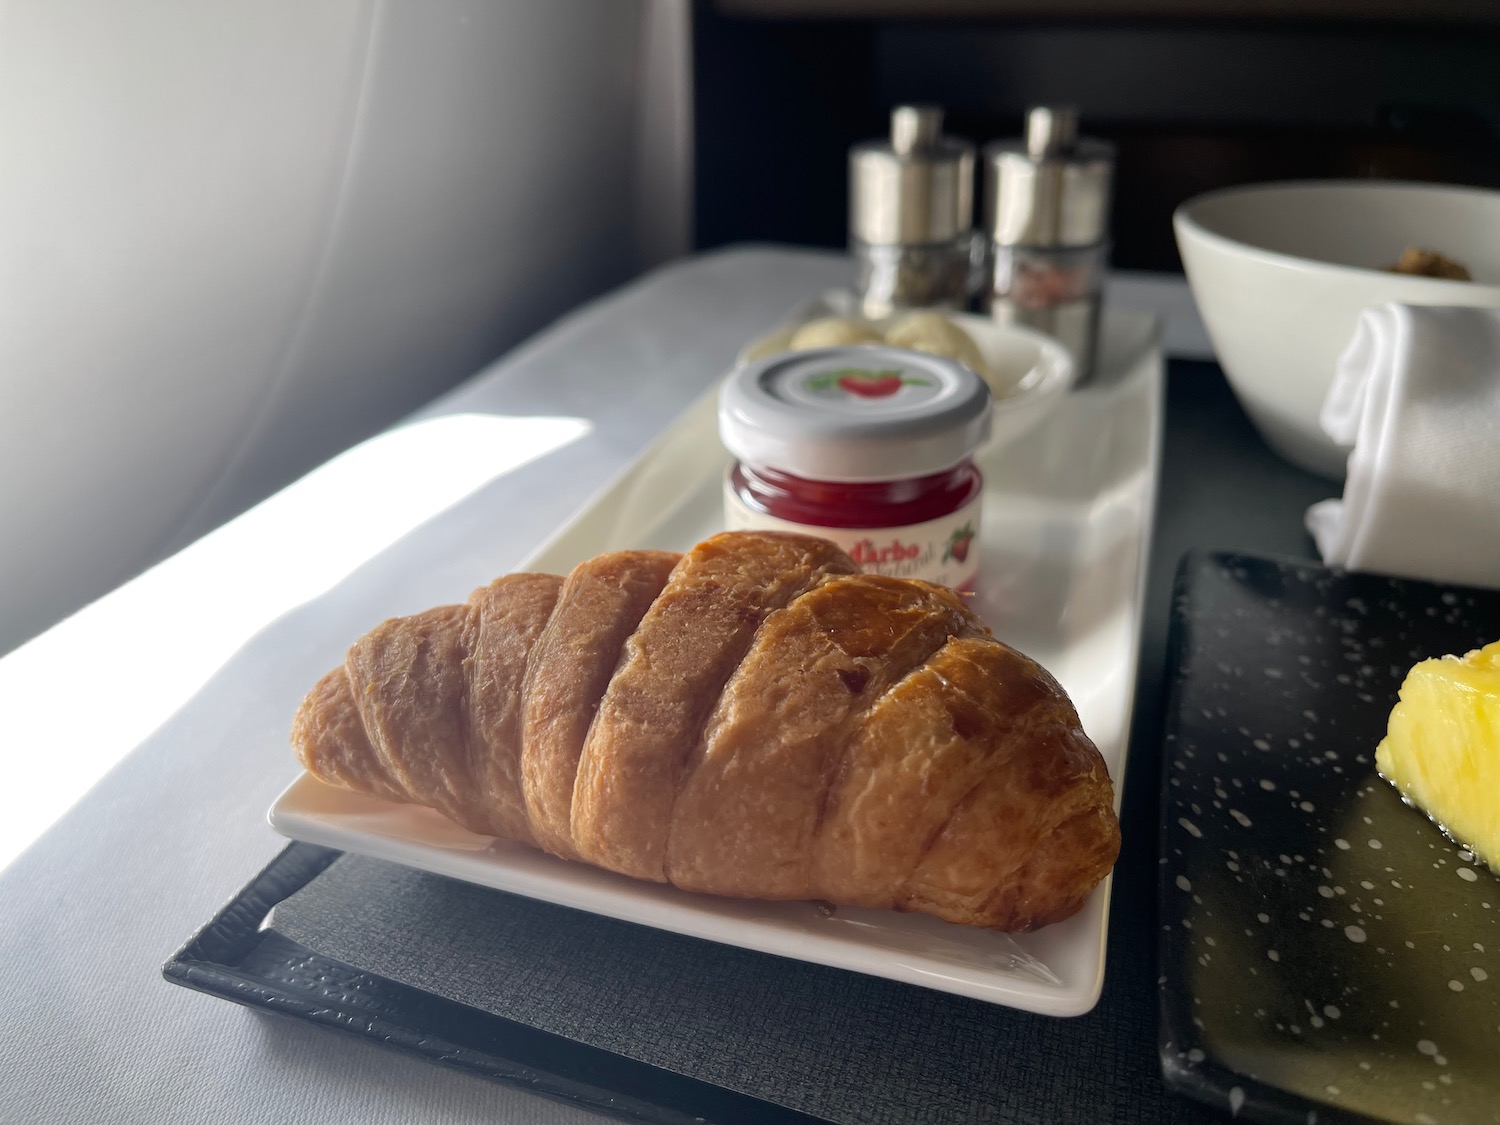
x: 1051, y: 188
x: 917, y: 188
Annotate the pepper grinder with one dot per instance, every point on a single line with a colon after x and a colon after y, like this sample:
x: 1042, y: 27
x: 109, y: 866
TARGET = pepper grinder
x: 911, y: 215
x: 1046, y: 219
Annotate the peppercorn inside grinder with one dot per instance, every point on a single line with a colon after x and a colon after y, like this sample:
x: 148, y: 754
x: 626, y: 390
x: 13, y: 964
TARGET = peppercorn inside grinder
x: 869, y: 446
x: 911, y: 216
x: 1046, y: 221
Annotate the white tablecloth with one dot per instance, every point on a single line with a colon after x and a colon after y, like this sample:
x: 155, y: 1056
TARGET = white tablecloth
x: 89, y: 1030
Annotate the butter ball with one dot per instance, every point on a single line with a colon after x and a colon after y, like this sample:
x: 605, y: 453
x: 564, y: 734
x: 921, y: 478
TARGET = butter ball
x: 832, y: 332
x: 937, y: 335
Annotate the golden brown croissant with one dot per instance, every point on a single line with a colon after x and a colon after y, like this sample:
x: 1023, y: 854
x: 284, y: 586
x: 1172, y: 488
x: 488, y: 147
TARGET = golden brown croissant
x: 754, y: 718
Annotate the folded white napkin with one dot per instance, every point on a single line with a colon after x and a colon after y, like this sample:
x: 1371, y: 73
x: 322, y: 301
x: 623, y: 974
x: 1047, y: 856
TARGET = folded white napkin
x: 1417, y: 393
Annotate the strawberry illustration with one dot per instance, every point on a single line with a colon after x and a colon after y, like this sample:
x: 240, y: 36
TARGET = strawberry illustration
x: 871, y: 384
x: 958, y: 544
x: 865, y: 383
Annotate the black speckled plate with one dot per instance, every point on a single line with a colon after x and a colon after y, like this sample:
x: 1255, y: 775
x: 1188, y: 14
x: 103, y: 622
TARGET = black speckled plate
x: 1327, y: 955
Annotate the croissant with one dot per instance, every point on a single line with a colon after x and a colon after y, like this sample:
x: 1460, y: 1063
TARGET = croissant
x: 754, y: 718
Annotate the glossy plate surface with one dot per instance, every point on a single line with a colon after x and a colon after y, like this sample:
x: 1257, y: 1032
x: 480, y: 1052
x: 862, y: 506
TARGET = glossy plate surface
x: 1066, y: 527
x: 1327, y: 954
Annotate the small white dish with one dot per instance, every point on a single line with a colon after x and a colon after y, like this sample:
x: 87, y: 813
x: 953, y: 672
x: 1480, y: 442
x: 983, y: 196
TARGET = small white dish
x: 1064, y: 539
x: 1028, y: 372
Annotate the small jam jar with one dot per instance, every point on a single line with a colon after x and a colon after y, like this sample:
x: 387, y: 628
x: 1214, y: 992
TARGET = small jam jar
x: 869, y: 446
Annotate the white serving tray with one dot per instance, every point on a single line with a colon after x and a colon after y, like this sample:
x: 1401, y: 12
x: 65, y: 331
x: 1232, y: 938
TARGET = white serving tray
x: 1066, y: 530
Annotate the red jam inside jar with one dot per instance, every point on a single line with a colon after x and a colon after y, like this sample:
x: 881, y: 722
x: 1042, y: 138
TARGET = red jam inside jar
x: 864, y: 504
x: 871, y: 447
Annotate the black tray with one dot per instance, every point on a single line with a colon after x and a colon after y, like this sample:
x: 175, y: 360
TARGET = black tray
x: 1327, y: 954
x: 784, y: 1042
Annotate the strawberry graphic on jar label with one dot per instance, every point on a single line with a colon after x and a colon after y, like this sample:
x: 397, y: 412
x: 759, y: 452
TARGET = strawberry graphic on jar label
x: 865, y: 383
x: 958, y: 544
x: 860, y: 383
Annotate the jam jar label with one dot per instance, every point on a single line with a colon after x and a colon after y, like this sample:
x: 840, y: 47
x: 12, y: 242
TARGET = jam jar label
x: 944, y: 551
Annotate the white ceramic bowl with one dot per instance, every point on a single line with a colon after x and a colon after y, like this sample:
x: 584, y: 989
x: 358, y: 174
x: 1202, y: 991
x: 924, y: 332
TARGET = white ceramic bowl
x: 1029, y: 373
x: 1280, y: 273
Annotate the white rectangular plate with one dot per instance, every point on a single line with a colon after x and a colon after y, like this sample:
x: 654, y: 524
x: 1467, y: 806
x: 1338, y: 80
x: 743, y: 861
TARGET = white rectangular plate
x: 1065, y: 532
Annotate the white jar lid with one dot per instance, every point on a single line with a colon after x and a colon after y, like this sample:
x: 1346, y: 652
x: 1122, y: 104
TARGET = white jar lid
x: 861, y: 413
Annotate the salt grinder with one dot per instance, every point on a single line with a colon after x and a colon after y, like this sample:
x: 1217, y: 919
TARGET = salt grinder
x: 911, y: 215
x: 1046, y: 219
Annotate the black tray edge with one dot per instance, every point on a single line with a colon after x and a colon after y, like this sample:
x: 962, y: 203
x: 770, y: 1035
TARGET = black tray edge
x: 219, y: 961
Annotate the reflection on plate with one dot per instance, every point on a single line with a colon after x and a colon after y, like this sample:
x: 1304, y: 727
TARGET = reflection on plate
x: 1327, y: 954
x: 1066, y: 525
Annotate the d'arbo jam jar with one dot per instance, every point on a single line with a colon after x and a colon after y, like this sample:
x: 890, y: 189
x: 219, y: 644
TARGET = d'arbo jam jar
x: 871, y: 447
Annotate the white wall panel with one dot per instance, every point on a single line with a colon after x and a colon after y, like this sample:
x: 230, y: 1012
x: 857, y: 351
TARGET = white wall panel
x: 239, y: 235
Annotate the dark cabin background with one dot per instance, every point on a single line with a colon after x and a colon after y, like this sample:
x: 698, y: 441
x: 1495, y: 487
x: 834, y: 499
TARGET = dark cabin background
x: 1197, y: 94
